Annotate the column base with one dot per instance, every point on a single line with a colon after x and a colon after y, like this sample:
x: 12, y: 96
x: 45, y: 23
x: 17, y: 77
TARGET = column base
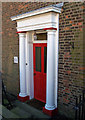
x: 22, y: 99
x: 50, y: 112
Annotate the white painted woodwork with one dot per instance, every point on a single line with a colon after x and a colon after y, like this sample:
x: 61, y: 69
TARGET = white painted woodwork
x: 56, y: 59
x: 37, y: 19
x: 50, y: 88
x: 37, y: 12
x: 29, y: 67
x: 22, y: 38
x: 40, y: 41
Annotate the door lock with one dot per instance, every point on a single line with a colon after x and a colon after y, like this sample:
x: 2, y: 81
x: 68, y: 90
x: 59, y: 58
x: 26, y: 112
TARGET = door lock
x: 34, y: 73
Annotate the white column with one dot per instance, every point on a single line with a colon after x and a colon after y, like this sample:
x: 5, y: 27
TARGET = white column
x: 50, y: 89
x: 22, y: 64
x: 56, y: 59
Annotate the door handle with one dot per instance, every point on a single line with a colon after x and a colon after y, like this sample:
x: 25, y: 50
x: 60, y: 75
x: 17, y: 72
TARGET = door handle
x: 34, y: 73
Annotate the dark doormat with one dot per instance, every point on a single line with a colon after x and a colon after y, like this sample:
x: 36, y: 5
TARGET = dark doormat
x: 36, y: 104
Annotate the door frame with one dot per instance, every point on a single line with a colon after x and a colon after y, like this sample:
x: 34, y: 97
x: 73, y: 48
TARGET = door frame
x: 29, y: 60
x: 29, y: 68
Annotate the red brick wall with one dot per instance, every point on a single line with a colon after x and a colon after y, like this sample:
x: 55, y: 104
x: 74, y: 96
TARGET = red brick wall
x: 71, y: 61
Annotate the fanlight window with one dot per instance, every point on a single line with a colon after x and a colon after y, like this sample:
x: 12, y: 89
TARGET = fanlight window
x: 40, y: 36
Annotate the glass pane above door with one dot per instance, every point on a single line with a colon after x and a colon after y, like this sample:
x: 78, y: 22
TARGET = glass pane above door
x: 41, y: 36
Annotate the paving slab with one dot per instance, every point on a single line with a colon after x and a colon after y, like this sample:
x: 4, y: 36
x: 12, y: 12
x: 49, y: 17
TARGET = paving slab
x: 21, y: 112
x: 8, y: 114
x: 33, y: 111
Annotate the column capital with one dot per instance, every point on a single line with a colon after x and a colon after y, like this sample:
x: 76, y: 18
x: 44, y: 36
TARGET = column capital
x: 50, y: 28
x: 21, y: 31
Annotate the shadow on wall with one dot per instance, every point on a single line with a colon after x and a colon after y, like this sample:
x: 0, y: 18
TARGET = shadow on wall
x: 11, y: 82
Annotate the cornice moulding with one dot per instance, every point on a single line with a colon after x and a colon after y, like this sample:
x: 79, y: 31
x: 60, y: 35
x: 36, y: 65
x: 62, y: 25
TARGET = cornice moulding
x: 37, y: 12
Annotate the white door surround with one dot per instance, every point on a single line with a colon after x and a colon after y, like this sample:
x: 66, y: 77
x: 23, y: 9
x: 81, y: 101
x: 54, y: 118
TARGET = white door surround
x: 46, y: 19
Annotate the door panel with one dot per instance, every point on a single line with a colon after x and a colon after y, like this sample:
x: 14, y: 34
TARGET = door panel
x: 40, y: 61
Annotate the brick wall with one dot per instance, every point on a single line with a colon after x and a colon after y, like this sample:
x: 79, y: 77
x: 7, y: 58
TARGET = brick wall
x: 71, y: 60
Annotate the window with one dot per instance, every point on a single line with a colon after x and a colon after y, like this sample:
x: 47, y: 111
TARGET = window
x: 41, y: 36
x: 38, y: 58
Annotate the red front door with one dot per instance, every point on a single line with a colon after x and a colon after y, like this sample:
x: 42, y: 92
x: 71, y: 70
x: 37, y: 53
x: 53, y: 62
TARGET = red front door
x: 40, y: 61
